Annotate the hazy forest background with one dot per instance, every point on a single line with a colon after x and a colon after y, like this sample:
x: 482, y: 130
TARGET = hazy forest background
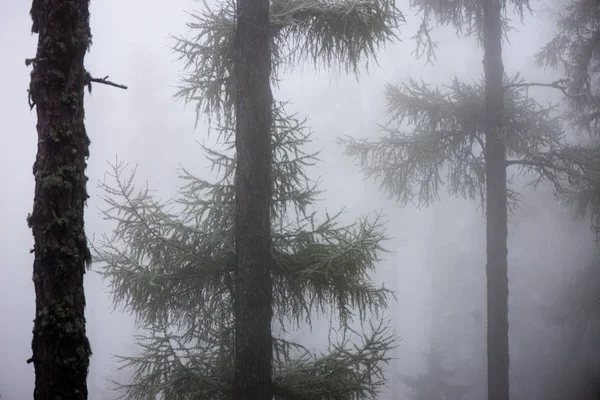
x: 436, y: 255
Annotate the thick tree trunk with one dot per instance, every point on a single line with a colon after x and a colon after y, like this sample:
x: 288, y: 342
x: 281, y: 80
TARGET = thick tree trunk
x: 253, y: 291
x: 61, y: 350
x: 496, y: 208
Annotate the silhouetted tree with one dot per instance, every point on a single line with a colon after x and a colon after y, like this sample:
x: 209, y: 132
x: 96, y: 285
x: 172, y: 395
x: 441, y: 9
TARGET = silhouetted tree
x: 61, y: 349
x: 466, y: 132
x: 576, y: 51
x: 174, y: 267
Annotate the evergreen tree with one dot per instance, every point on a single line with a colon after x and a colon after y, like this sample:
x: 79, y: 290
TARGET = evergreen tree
x: 172, y: 263
x: 466, y: 132
x: 253, y: 292
x: 576, y: 50
x: 60, y: 347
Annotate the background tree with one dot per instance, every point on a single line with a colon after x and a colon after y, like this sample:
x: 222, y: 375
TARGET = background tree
x: 252, y: 278
x: 466, y: 132
x: 455, y: 356
x: 437, y: 382
x: 575, y: 50
x: 172, y: 263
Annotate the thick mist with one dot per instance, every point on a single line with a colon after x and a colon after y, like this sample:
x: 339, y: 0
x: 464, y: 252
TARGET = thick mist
x: 146, y: 127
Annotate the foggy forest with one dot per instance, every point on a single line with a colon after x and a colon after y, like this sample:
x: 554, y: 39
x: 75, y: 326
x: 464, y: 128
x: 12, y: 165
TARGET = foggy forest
x: 300, y: 200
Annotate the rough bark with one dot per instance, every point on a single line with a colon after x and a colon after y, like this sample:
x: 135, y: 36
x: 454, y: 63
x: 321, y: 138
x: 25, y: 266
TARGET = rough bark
x: 496, y: 207
x: 61, y: 350
x: 253, y: 291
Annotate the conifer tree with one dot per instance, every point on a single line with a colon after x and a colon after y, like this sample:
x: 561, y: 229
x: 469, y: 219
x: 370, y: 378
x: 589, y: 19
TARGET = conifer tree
x: 172, y: 263
x: 576, y: 51
x: 461, y: 137
x: 253, y: 291
x: 60, y: 347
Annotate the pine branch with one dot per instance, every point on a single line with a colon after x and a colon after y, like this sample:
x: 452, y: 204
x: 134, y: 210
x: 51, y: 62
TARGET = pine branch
x: 340, y: 35
x: 169, y: 262
x: 446, y: 144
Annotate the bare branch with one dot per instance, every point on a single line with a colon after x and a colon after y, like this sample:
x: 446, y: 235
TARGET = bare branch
x: 89, y: 79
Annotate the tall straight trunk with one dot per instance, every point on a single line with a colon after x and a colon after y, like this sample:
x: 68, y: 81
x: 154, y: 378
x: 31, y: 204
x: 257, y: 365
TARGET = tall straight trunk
x: 496, y: 209
x: 253, y: 291
x: 61, y: 350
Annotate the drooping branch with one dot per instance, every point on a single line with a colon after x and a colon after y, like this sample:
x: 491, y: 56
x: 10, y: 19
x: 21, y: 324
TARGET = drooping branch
x: 446, y: 144
x: 339, y: 35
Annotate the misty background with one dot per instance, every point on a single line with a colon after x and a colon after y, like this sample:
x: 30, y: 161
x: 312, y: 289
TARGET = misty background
x: 146, y: 127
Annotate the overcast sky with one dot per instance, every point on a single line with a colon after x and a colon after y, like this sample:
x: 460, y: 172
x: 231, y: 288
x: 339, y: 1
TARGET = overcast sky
x: 145, y: 126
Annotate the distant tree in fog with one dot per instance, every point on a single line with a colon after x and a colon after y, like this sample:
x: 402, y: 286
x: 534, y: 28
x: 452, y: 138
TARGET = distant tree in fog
x: 172, y: 263
x: 467, y: 136
x: 437, y: 382
x: 575, y: 50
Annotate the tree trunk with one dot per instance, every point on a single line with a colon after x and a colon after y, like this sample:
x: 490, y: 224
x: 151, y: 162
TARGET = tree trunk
x: 496, y: 208
x: 253, y: 291
x: 61, y: 350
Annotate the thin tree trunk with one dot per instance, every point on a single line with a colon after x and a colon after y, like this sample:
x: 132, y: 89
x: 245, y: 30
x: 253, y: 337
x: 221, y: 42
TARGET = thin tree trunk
x: 61, y: 350
x: 496, y: 207
x: 253, y: 291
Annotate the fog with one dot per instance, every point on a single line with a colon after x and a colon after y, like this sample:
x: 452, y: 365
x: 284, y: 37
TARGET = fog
x: 146, y: 126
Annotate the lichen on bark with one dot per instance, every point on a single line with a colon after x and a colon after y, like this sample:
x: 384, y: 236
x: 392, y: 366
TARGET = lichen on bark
x: 61, y: 350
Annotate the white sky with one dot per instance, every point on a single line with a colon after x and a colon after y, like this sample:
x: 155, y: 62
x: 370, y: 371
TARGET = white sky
x: 144, y: 125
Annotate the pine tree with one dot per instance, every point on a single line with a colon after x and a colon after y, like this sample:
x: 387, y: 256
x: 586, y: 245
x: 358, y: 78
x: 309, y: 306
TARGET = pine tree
x: 172, y: 263
x: 466, y: 132
x: 61, y: 349
x: 495, y: 204
x: 253, y: 291
x: 576, y: 51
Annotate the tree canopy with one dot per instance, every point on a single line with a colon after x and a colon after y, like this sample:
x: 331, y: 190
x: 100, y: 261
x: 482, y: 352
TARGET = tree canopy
x: 444, y: 144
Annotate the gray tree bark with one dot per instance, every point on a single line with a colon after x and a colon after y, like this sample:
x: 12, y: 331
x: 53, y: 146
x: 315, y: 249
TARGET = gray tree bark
x: 496, y: 206
x: 253, y: 286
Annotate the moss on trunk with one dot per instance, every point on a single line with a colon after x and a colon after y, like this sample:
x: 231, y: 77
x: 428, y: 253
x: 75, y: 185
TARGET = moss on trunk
x: 61, y: 350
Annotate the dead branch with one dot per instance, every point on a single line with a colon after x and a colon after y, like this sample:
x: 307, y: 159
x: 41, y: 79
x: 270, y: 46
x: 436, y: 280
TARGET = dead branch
x: 89, y: 80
